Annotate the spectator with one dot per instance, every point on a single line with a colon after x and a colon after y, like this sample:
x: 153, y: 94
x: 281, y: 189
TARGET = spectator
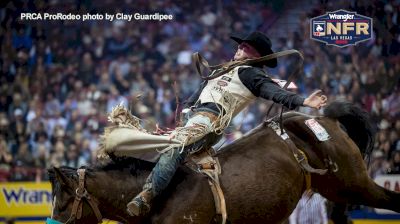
x: 56, y: 122
x: 311, y: 209
x: 24, y: 156
x: 395, y: 162
x: 378, y: 165
x: 6, y: 160
x: 42, y: 157
x: 18, y: 105
x: 73, y: 158
x: 41, y: 140
x: 57, y: 156
x: 86, y: 69
x: 52, y: 104
x: 4, y: 127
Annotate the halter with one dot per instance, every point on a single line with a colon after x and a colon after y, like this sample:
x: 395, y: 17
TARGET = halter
x: 80, y: 193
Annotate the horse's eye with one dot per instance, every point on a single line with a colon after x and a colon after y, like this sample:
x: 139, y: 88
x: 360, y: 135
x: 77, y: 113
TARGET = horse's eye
x: 62, y: 205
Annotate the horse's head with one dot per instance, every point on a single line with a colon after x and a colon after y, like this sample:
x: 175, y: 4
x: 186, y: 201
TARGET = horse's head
x: 71, y: 202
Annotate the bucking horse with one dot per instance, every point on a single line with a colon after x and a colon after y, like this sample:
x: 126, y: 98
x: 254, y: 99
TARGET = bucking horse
x: 261, y: 178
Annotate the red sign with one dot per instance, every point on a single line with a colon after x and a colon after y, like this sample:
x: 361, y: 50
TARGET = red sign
x: 390, y: 182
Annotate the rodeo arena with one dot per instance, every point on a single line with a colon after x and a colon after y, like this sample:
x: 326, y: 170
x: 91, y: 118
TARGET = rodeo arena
x: 204, y: 111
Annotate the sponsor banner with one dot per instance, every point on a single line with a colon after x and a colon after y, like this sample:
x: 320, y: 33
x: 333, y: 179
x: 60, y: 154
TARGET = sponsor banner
x: 367, y: 221
x: 341, y: 28
x: 25, y: 199
x: 41, y: 220
x: 390, y: 182
x: 27, y: 202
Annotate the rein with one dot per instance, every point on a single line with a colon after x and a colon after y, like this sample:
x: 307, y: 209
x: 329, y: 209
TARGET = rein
x: 81, y: 193
x: 223, y: 68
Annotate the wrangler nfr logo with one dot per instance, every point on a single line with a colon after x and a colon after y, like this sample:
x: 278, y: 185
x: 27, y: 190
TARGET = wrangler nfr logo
x: 341, y: 28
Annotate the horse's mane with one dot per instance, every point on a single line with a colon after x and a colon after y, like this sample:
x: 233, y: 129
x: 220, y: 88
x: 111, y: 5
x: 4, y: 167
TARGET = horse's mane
x: 134, y: 165
x: 55, y: 184
x: 130, y: 165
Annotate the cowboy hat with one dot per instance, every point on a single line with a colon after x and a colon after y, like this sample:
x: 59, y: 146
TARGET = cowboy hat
x: 261, y: 43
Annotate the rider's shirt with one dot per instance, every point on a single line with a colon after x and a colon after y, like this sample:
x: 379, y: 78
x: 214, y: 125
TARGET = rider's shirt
x: 217, y: 89
x: 245, y: 83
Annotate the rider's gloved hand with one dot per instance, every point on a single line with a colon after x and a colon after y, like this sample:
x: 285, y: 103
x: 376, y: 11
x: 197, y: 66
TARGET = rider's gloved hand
x: 315, y: 100
x: 186, y: 110
x: 185, y: 115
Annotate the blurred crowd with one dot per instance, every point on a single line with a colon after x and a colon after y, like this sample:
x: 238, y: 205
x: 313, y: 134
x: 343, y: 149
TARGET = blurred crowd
x: 58, y: 79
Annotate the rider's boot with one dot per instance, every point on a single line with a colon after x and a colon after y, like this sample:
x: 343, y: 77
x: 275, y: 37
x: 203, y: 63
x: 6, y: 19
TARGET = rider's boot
x: 156, y: 182
x: 141, y: 204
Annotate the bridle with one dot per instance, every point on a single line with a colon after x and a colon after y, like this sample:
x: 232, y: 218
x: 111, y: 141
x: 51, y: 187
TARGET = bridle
x: 82, y: 193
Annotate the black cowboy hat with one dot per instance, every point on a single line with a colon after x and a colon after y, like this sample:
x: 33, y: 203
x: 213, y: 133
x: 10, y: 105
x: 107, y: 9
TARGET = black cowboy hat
x: 261, y: 43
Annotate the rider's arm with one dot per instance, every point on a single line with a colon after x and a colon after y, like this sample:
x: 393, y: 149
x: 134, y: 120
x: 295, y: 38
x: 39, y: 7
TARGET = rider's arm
x: 261, y: 85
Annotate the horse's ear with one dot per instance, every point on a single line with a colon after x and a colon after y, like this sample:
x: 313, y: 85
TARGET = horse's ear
x: 61, y: 178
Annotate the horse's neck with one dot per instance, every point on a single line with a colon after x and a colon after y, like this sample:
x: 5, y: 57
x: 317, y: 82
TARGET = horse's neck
x: 111, y: 188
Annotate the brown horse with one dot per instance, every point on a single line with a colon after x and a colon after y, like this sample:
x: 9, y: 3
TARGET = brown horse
x: 261, y: 179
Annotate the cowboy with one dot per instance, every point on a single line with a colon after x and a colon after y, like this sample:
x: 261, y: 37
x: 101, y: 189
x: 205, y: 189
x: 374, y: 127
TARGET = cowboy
x: 213, y: 106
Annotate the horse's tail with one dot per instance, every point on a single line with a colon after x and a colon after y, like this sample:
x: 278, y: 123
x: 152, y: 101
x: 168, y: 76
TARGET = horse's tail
x: 357, y: 123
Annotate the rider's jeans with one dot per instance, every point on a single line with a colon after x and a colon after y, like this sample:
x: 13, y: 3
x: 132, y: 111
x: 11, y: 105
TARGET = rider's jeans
x: 169, y: 161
